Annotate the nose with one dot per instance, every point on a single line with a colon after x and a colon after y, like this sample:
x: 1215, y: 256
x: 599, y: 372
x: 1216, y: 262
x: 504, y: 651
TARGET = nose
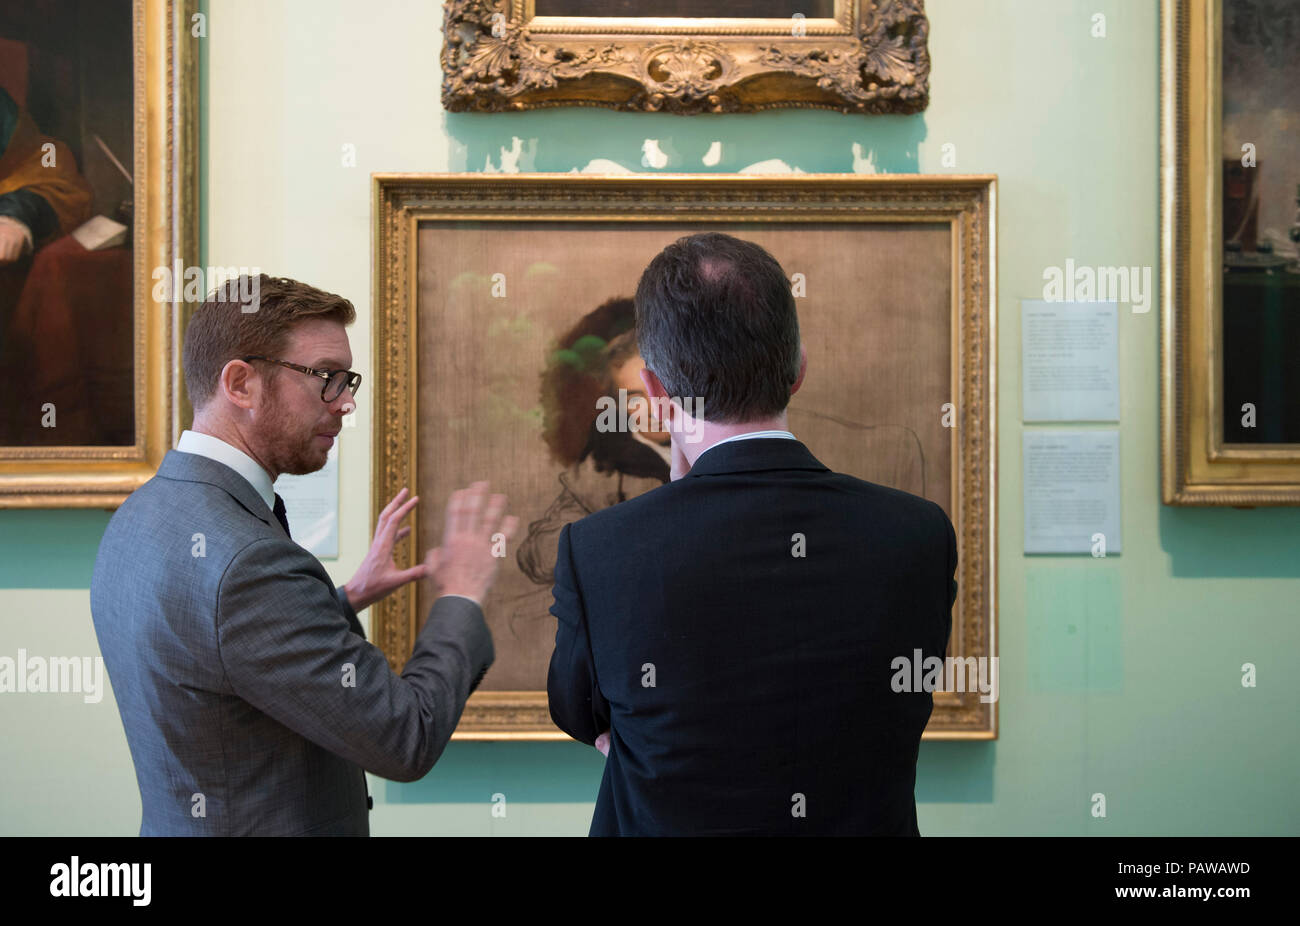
x: 345, y: 404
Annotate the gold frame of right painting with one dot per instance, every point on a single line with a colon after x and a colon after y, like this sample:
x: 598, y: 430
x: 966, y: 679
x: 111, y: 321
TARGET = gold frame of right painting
x: 1197, y: 466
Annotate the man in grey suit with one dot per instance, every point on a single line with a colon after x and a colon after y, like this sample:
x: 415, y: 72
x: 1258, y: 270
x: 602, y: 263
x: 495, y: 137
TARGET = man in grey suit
x: 251, y: 699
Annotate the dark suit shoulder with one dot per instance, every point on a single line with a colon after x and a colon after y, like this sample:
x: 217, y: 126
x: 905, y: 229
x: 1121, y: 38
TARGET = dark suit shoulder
x: 898, y: 499
x: 882, y: 493
x: 895, y: 503
x: 925, y: 519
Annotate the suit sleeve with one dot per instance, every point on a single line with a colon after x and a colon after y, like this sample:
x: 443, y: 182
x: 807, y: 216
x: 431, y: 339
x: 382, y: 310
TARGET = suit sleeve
x: 577, y: 706
x: 354, y: 623
x: 288, y: 649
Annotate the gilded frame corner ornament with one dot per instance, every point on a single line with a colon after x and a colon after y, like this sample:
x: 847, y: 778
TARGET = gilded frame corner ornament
x: 967, y: 205
x: 871, y: 57
x: 165, y: 171
x: 1197, y: 466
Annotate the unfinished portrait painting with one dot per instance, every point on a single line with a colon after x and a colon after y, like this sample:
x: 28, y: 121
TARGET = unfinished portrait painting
x: 505, y: 348
x: 527, y: 331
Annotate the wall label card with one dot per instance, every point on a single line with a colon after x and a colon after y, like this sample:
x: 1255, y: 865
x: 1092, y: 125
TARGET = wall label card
x: 311, y: 502
x: 1069, y: 360
x: 1071, y: 481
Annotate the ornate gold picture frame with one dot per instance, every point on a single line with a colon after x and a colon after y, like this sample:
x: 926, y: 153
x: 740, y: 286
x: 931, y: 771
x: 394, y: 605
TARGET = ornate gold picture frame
x: 1200, y: 465
x: 866, y: 56
x: 163, y: 203
x: 482, y: 284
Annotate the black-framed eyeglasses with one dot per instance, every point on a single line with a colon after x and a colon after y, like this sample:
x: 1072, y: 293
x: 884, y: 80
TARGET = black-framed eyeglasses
x: 335, y: 380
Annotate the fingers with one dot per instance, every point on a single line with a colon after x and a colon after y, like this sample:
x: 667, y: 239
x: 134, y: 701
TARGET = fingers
x: 495, y: 509
x: 389, y: 508
x: 474, y: 513
x: 473, y: 505
x: 492, y: 521
x: 509, y: 526
x: 468, y: 561
x: 452, y: 516
x: 464, y: 507
x: 392, y: 515
x: 421, y: 571
x: 390, y: 533
x: 458, y: 510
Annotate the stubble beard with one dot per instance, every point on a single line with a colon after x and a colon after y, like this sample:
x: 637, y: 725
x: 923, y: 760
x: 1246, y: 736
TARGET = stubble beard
x: 289, y: 445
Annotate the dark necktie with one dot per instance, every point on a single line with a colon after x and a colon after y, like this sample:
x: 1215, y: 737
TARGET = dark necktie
x: 281, y: 516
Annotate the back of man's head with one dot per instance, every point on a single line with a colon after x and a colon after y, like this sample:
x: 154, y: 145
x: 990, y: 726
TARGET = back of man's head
x: 224, y: 328
x: 715, y: 319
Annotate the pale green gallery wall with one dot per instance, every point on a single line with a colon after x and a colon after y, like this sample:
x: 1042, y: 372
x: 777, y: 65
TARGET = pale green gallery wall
x: 1119, y: 675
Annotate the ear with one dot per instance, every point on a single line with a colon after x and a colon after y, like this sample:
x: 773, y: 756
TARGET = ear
x: 653, y: 388
x: 660, y: 402
x: 803, y: 368
x: 240, y: 384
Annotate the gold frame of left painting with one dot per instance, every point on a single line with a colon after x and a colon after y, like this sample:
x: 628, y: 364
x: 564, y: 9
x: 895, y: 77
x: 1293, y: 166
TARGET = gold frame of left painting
x: 165, y: 229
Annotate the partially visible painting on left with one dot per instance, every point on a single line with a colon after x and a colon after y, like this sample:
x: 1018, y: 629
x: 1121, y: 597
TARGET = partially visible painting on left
x: 65, y: 217
x: 96, y: 192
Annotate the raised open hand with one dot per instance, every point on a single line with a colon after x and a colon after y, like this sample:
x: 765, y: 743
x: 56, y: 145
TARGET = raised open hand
x: 473, y: 543
x: 378, y: 574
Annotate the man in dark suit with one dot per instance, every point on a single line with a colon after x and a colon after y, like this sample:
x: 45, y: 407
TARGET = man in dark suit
x: 251, y: 699
x: 729, y: 638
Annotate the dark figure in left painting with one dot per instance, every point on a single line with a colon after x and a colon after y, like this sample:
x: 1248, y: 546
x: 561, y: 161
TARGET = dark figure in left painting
x: 66, y: 293
x: 41, y: 192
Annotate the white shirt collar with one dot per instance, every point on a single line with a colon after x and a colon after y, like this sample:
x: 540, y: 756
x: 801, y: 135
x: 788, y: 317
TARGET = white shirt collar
x: 751, y: 434
x: 214, y: 448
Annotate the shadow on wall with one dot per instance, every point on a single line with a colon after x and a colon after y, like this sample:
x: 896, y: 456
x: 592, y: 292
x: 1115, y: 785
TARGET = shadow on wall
x: 952, y: 772
x: 569, y: 772
x: 1207, y: 543
x: 608, y: 141
x: 50, y: 549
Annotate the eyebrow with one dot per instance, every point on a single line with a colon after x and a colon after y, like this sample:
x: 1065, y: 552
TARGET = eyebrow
x: 329, y: 363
